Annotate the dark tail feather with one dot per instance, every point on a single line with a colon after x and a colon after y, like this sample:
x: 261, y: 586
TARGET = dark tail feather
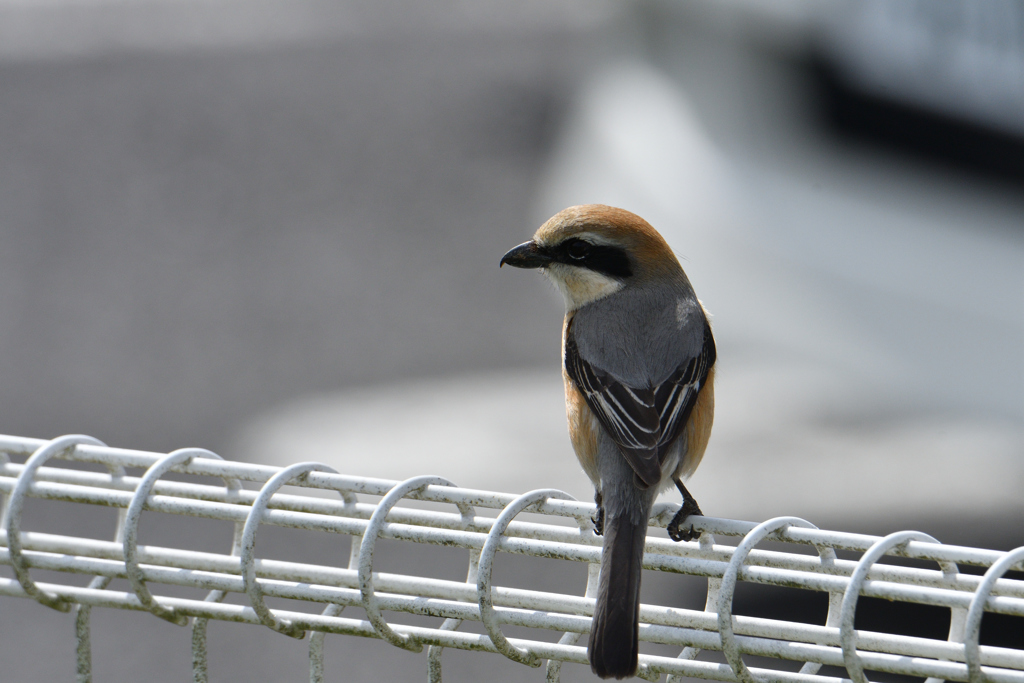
x: 614, y: 633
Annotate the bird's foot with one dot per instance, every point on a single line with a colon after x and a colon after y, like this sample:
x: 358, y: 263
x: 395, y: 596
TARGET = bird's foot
x: 677, y: 534
x: 689, y: 508
x: 598, y: 519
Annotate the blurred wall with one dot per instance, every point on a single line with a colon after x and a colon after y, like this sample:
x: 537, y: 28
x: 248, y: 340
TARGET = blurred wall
x: 199, y: 224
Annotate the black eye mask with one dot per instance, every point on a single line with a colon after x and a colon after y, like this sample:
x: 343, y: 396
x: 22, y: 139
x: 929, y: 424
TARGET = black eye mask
x: 600, y: 258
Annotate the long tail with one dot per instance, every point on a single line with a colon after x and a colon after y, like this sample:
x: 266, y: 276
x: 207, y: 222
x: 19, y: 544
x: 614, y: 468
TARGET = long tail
x: 614, y: 633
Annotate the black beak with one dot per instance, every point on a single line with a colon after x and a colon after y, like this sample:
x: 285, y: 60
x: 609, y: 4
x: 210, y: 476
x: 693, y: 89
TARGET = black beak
x: 526, y: 255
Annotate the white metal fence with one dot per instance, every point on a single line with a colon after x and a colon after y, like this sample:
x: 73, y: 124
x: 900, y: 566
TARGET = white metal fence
x: 368, y: 510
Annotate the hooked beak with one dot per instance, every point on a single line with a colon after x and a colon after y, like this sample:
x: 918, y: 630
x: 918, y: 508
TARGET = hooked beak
x: 526, y: 255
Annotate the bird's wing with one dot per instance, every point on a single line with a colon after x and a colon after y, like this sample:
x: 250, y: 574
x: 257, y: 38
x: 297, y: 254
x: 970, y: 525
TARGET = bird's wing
x: 628, y: 414
x: 675, y: 397
x: 642, y: 422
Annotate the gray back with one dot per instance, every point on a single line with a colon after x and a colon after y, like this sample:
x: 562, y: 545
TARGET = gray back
x: 665, y: 321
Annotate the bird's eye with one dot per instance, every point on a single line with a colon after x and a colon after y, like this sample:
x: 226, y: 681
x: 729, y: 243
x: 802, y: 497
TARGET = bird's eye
x: 577, y: 249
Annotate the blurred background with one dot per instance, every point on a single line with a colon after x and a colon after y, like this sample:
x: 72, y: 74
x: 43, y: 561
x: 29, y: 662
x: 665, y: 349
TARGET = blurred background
x: 269, y: 228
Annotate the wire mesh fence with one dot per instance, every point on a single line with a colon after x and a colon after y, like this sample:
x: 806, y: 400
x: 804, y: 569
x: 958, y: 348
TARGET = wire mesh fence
x: 474, y: 614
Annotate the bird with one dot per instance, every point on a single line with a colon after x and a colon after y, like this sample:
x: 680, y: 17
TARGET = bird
x: 638, y: 364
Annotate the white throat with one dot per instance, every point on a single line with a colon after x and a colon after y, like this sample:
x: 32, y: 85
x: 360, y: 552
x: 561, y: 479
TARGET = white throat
x: 580, y: 286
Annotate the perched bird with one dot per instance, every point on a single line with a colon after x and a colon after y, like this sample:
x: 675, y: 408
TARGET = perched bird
x: 638, y: 366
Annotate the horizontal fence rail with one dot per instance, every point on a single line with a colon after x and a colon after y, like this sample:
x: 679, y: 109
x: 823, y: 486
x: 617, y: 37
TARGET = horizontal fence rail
x: 484, y: 523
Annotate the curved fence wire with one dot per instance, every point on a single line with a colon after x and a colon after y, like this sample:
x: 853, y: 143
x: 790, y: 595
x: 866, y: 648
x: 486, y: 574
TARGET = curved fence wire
x: 559, y: 527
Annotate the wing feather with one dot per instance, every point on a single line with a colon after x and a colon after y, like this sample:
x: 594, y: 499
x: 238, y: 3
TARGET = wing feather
x: 676, y: 396
x: 642, y: 421
x: 627, y: 413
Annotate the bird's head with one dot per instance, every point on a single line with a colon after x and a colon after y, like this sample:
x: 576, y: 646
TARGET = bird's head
x: 593, y: 251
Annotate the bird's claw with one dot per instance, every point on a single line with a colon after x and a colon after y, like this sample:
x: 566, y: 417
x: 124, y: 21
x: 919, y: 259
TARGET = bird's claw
x: 677, y: 534
x: 689, y: 508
